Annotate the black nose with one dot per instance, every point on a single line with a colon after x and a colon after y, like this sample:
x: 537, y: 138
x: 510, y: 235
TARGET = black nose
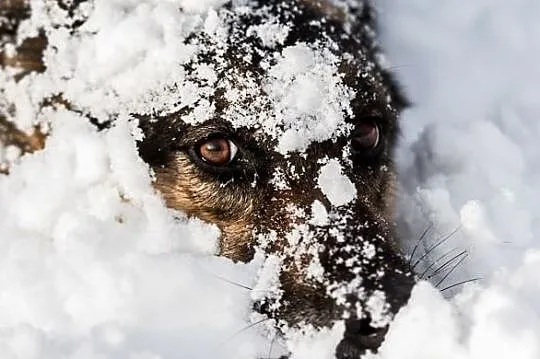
x: 359, y: 337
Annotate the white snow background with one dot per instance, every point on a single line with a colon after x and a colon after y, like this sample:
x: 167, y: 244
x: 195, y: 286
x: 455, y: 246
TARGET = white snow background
x: 93, y: 266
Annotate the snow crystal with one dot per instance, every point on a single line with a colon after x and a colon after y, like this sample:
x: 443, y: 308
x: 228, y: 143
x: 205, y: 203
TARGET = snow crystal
x: 378, y: 308
x: 319, y: 215
x: 270, y: 33
x: 337, y: 187
x: 268, y: 285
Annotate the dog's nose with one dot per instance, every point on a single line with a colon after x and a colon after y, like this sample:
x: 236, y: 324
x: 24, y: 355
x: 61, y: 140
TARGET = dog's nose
x: 359, y: 337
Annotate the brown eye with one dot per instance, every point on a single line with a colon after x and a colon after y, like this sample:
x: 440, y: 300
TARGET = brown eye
x: 218, y: 151
x: 365, y: 138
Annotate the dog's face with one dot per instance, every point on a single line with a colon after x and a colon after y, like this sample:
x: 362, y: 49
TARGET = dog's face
x: 285, y: 143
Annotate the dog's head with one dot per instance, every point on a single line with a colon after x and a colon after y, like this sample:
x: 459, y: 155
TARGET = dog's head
x: 283, y: 137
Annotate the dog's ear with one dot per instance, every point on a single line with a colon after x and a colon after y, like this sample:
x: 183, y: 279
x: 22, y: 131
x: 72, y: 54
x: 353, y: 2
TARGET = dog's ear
x: 26, y: 56
x: 362, y: 14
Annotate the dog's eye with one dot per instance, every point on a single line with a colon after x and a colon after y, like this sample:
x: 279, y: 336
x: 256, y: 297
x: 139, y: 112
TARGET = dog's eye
x: 218, y: 151
x: 365, y: 138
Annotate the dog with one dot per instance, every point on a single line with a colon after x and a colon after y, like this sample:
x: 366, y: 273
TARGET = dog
x: 288, y: 148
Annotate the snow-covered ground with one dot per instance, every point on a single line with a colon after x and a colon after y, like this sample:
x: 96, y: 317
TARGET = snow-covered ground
x: 93, y: 266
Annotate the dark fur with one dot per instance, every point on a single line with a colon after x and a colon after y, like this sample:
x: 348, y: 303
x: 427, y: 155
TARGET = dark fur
x: 245, y: 204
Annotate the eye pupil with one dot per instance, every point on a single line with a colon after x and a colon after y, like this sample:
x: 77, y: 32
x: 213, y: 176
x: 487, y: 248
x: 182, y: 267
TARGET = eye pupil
x: 365, y: 138
x: 218, y: 151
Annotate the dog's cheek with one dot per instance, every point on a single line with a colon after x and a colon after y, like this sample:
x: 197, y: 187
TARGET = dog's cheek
x: 377, y: 190
x: 229, y: 207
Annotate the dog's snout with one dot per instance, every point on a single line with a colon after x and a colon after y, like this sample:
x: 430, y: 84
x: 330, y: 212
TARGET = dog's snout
x: 359, y: 337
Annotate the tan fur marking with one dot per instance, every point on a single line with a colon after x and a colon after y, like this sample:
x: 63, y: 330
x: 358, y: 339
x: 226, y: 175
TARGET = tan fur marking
x: 184, y: 188
x: 28, y: 55
x: 28, y: 58
x: 10, y: 135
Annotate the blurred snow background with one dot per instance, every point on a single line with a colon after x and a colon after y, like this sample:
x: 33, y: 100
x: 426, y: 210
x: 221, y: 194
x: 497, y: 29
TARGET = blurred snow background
x: 470, y: 163
x: 93, y: 266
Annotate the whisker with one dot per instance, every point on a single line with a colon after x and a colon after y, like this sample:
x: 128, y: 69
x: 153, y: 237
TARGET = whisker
x: 437, y: 261
x: 435, y: 246
x: 243, y: 330
x: 271, y: 346
x: 429, y: 228
x: 451, y: 271
x: 227, y: 340
x: 225, y: 279
x: 447, y: 263
x: 233, y: 283
x: 461, y: 283
x: 399, y: 67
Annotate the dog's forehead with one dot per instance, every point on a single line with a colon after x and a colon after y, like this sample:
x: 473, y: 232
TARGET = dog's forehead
x: 303, y: 99
x: 277, y: 70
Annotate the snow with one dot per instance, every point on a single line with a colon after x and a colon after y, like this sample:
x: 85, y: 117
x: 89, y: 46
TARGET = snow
x: 92, y: 264
x: 319, y: 214
x: 313, y: 344
x: 335, y: 186
x: 426, y: 328
x: 303, y: 87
